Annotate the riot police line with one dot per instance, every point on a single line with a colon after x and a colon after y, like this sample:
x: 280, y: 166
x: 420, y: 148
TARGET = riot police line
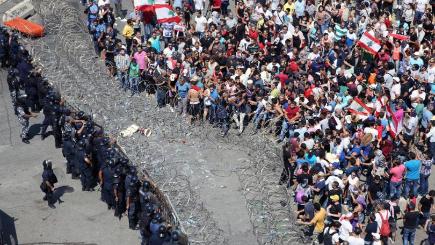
x: 91, y: 155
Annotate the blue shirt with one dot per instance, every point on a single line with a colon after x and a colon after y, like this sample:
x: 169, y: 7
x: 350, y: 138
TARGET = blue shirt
x: 311, y: 160
x: 214, y: 94
x: 99, y: 29
x: 426, y: 117
x: 413, y: 169
x: 182, y: 89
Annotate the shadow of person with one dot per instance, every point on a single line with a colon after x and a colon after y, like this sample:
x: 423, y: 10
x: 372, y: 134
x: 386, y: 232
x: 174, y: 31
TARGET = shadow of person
x: 34, y: 130
x: 60, y: 191
x: 8, y: 234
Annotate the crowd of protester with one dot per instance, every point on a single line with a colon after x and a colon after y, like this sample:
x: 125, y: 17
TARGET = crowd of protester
x: 91, y: 155
x: 357, y: 125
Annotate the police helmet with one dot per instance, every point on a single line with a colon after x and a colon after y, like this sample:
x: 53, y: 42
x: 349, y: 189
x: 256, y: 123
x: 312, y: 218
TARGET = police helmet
x: 112, y: 152
x: 118, y: 171
x: 66, y: 136
x: 110, y: 162
x: 146, y: 186
x: 81, y: 143
x: 105, y: 141
x: 123, y: 161
x: 158, y: 218
x: 80, y: 114
x: 179, y: 236
x: 132, y: 170
x: 116, y: 178
x: 134, y: 181
x: 21, y: 99
x: 149, y: 208
x: 46, y: 162
x: 162, y: 230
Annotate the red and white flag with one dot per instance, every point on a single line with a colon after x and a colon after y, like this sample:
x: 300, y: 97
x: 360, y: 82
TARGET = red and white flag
x: 369, y: 43
x: 148, y: 5
x: 358, y: 107
x: 165, y: 13
x: 398, y: 36
x: 395, y: 124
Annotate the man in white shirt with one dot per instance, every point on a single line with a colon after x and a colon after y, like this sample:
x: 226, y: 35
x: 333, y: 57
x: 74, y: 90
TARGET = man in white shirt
x: 346, y: 227
x: 421, y: 6
x: 230, y: 21
x: 200, y: 24
x: 199, y: 5
x: 396, y: 88
x: 431, y: 136
x: 355, y: 238
x: 418, y: 96
x: 335, y: 178
x: 410, y: 125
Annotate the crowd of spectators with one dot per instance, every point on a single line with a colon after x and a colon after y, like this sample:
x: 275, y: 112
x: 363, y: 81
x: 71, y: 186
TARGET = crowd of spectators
x: 356, y: 123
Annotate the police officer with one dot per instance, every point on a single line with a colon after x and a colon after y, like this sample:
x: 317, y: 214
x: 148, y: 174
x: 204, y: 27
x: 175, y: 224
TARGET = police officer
x: 4, y: 46
x: 14, y: 84
x: 99, y: 144
x: 48, y: 181
x: 106, y: 183
x: 156, y: 222
x: 31, y: 90
x: 79, y: 156
x: 146, y: 196
x: 130, y: 175
x: 144, y: 222
x: 85, y: 167
x: 68, y: 151
x: 118, y: 192
x: 23, y: 115
x: 49, y: 114
x: 177, y: 238
x: 133, y: 203
x: 159, y: 236
x: 57, y: 114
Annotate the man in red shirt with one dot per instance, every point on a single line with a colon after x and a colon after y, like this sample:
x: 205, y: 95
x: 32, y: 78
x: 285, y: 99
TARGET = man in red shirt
x: 291, y: 115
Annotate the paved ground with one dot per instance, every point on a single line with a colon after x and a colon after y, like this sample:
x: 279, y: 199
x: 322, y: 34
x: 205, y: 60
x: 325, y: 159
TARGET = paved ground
x: 80, y: 219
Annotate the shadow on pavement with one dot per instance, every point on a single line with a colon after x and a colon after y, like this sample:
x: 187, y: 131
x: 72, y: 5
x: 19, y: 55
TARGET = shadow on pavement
x: 60, y: 191
x: 8, y: 234
x: 34, y: 130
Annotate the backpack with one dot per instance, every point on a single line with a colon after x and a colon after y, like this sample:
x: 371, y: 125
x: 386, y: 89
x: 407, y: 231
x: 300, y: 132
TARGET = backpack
x: 385, y: 226
x: 327, y: 237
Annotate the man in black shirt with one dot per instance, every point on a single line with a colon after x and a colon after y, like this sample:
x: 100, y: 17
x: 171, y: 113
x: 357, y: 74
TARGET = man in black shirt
x: 410, y: 223
x: 425, y: 205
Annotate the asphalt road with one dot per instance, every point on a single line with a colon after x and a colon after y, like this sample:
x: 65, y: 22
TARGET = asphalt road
x: 81, y: 219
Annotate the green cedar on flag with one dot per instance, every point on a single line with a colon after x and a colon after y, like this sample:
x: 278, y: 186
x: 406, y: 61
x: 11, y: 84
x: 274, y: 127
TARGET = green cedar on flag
x: 165, y: 13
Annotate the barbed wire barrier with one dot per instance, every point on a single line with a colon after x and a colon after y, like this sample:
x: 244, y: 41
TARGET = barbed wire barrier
x: 66, y: 58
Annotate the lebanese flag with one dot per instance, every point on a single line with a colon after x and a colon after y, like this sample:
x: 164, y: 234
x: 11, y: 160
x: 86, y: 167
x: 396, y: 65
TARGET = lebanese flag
x: 359, y: 108
x: 369, y: 43
x: 398, y: 36
x: 165, y: 13
x: 147, y: 5
x: 395, y: 124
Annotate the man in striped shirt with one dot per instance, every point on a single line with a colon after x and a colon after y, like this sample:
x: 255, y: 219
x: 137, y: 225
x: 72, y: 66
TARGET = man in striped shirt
x: 340, y: 30
x: 122, y: 61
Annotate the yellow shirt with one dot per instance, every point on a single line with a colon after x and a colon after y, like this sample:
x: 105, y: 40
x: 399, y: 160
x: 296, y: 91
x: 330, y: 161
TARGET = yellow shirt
x: 128, y: 31
x: 290, y: 7
x: 274, y: 93
x: 319, y: 220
